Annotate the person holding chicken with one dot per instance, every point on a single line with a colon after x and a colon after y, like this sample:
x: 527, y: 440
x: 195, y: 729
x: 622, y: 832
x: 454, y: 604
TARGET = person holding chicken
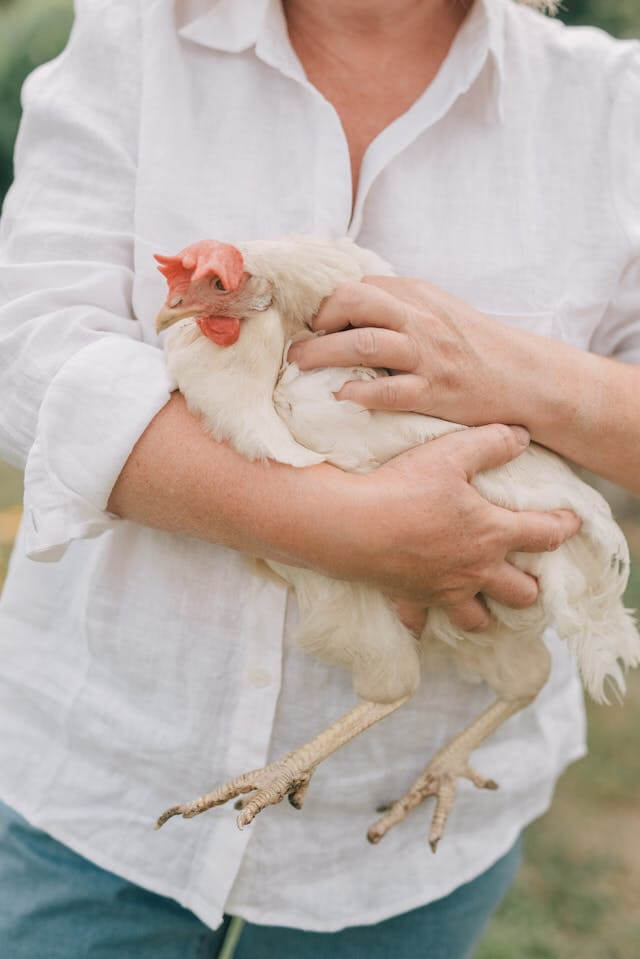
x: 148, y: 652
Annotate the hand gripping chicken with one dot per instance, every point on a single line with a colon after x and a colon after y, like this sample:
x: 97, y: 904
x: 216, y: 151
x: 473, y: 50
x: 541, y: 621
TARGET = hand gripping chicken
x: 239, y: 307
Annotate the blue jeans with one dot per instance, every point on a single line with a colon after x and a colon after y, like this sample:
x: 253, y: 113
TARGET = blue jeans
x: 56, y: 905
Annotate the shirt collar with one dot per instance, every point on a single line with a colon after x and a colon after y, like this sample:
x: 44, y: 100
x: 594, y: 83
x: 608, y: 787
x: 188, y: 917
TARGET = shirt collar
x: 233, y: 26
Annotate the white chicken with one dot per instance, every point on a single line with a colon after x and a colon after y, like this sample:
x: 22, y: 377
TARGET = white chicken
x: 239, y: 307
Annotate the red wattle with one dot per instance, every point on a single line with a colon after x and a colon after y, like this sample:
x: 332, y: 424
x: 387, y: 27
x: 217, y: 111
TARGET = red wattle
x: 222, y: 330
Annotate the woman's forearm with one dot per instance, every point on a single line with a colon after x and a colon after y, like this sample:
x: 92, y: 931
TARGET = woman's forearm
x: 177, y: 479
x: 584, y: 406
x: 414, y: 527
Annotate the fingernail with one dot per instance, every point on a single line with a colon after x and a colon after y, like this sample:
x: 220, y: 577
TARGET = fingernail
x: 522, y: 435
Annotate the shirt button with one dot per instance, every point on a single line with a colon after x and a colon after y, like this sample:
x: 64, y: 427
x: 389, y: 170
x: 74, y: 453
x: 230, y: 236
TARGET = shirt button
x: 259, y: 678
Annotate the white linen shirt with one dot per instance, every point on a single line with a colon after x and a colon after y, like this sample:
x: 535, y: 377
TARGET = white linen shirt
x: 141, y: 668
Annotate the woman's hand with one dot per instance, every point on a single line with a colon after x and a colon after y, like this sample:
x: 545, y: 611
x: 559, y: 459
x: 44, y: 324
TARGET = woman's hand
x: 450, y: 360
x: 421, y: 532
x: 456, y: 363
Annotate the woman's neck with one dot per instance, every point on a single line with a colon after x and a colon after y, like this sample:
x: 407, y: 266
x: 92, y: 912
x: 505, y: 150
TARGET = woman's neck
x: 361, y: 31
x: 396, y: 20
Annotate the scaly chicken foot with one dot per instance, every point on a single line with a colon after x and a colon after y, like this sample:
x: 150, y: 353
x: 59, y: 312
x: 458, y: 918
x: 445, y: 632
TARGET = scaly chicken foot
x: 289, y: 776
x: 440, y: 778
x: 267, y: 786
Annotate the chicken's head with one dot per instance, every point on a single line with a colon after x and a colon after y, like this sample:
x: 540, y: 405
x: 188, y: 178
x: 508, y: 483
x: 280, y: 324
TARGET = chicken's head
x: 207, y: 281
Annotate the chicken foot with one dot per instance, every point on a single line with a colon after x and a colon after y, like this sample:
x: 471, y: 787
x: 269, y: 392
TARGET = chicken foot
x: 289, y: 776
x: 441, y: 775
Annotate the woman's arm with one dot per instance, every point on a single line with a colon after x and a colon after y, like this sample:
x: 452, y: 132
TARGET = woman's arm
x: 458, y: 364
x: 415, y: 526
x: 586, y: 407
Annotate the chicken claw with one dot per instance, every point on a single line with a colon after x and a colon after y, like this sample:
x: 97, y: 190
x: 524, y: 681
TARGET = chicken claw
x: 269, y: 785
x: 440, y: 778
x: 289, y: 776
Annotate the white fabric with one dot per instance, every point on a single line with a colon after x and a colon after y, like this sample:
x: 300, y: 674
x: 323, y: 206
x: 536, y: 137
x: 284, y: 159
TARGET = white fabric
x: 139, y: 668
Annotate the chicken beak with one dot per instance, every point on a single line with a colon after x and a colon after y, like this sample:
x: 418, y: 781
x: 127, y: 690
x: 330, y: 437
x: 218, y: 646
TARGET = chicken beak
x: 167, y: 317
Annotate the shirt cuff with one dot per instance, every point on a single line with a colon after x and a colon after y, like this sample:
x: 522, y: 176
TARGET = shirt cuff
x: 94, y: 411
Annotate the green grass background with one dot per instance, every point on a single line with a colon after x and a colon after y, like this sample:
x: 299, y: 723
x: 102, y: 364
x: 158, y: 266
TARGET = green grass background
x: 578, y: 893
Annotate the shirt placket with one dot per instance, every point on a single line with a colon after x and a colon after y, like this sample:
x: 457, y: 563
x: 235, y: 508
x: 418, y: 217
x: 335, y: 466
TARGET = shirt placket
x: 221, y: 850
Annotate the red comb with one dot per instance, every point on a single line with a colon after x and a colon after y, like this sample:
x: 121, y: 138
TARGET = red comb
x: 203, y: 259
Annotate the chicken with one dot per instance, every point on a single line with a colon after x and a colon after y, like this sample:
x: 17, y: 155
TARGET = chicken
x: 239, y: 307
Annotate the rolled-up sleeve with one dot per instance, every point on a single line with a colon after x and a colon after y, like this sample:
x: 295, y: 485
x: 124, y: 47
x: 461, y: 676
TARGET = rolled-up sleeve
x: 618, y: 335
x: 78, y: 384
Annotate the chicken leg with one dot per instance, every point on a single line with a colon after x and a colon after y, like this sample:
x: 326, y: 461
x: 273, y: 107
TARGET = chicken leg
x: 291, y: 775
x: 448, y: 765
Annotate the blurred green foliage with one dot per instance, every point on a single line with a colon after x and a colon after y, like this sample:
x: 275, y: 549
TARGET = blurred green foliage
x: 619, y: 17
x: 34, y: 31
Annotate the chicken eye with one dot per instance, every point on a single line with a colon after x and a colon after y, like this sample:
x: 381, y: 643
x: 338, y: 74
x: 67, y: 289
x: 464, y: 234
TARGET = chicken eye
x: 219, y: 285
